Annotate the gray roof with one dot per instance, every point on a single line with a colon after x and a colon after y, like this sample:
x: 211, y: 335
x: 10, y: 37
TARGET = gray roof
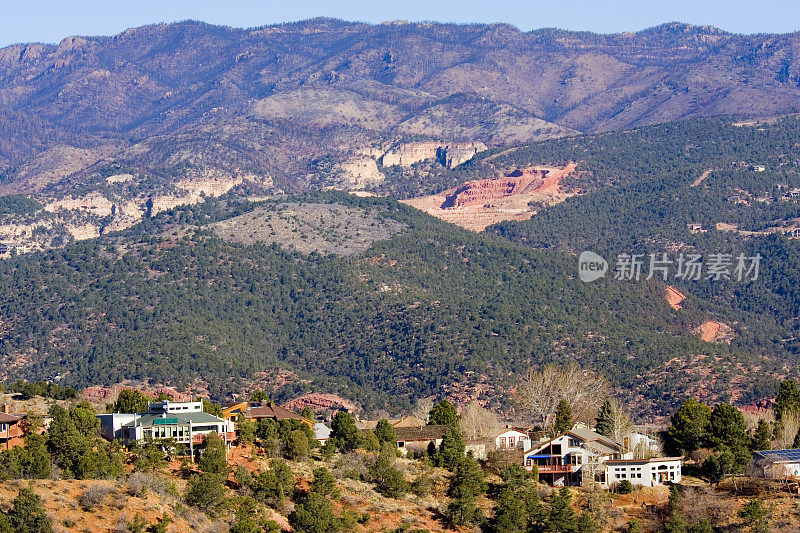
x: 321, y: 431
x: 595, y: 438
x: 175, y: 419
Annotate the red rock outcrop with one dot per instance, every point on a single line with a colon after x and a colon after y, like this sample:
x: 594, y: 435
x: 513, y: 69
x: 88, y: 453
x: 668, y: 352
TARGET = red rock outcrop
x: 476, y: 204
x: 320, y: 401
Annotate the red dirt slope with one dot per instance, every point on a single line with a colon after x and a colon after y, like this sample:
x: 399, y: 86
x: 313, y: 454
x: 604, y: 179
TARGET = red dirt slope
x: 477, y: 204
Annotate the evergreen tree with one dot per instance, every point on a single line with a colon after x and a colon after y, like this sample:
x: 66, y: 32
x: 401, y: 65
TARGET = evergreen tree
x: 385, y: 432
x: 314, y: 514
x: 561, y: 518
x: 151, y: 458
x: 443, y: 414
x: 688, y: 430
x: 28, y: 515
x: 788, y: 399
x: 727, y: 427
x: 297, y: 445
x: 563, y: 420
x: 344, y: 430
x: 467, y: 484
x: 324, y: 483
x: 604, y: 424
x: 245, y: 430
x: 205, y: 490
x: 212, y: 408
x: 761, y: 437
x: 452, y: 449
x: 510, y: 515
x: 214, y: 459
x: 131, y: 401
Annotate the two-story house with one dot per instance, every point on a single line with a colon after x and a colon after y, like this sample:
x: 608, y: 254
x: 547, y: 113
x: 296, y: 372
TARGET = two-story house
x: 11, y: 433
x: 572, y: 457
x: 512, y: 439
x: 184, y: 422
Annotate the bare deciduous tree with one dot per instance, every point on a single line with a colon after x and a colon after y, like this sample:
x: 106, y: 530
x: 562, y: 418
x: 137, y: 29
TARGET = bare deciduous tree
x: 478, y: 423
x: 542, y: 389
x: 423, y: 409
x: 621, y: 421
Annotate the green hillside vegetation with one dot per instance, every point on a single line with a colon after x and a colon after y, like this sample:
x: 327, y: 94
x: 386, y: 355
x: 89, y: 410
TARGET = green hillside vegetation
x: 428, y: 307
x: 642, y: 201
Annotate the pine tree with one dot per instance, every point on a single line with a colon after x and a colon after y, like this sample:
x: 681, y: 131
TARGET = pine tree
x: 214, y: 459
x: 561, y: 518
x: 604, y: 424
x: 385, y: 432
x: 688, y: 430
x: 443, y: 414
x: 761, y: 437
x: 131, y: 401
x: 563, y: 417
x: 344, y: 430
x: 28, y: 515
x: 314, y: 514
x: 451, y: 450
x: 510, y: 515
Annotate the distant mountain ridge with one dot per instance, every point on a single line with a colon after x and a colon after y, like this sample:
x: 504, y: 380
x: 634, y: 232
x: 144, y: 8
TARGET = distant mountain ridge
x: 163, y: 114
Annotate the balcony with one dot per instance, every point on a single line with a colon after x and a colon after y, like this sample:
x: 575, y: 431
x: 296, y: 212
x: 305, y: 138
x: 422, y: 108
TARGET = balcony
x: 555, y: 469
x: 199, y: 438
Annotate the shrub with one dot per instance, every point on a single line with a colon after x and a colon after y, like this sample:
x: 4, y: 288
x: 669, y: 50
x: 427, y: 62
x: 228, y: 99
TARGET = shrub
x: 93, y: 496
x: 204, y: 490
x: 624, y: 487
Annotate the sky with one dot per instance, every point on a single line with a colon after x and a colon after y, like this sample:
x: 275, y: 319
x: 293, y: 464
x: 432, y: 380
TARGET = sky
x: 52, y: 20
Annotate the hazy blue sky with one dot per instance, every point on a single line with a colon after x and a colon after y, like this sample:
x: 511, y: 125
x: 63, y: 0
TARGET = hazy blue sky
x: 52, y: 20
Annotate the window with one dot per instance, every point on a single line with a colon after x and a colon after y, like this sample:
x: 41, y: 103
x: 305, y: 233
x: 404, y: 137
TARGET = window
x: 502, y: 442
x: 528, y: 462
x: 401, y: 444
x: 574, y: 443
x: 510, y: 442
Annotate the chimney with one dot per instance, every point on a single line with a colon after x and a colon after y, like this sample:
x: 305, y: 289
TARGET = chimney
x: 4, y: 408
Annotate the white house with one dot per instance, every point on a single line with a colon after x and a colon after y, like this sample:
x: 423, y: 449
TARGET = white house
x: 643, y: 472
x: 321, y: 432
x: 778, y: 464
x: 512, y: 439
x: 640, y: 445
x: 185, y: 422
x: 568, y: 458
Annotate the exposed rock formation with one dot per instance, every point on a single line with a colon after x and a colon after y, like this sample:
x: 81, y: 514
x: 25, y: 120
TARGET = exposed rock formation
x: 450, y: 155
x: 476, y: 204
x: 362, y: 171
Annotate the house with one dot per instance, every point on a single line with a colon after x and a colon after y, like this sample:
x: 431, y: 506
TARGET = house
x: 321, y: 432
x: 11, y: 433
x: 643, y: 472
x: 572, y: 457
x: 419, y: 439
x: 512, y: 439
x: 475, y: 449
x: 259, y: 411
x: 185, y: 422
x: 778, y: 464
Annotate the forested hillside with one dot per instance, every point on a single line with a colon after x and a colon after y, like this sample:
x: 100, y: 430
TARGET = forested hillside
x: 647, y: 186
x: 431, y: 309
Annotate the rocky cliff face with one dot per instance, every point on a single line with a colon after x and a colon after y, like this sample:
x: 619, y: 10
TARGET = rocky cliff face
x: 449, y: 154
